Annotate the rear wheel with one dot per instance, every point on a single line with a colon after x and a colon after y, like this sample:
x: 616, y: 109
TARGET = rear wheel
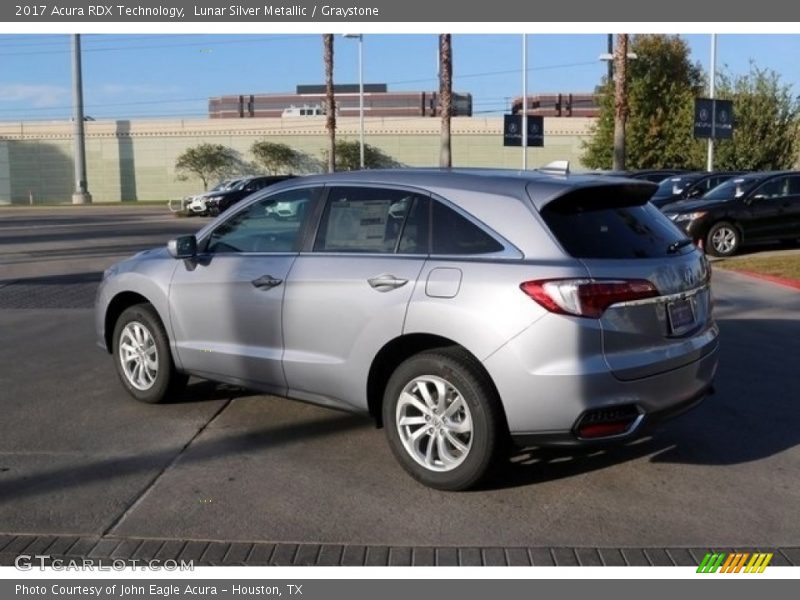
x: 142, y: 356
x: 723, y: 239
x: 442, y: 419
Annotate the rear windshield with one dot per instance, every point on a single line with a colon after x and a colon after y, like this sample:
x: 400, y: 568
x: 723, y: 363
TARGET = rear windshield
x: 608, y: 223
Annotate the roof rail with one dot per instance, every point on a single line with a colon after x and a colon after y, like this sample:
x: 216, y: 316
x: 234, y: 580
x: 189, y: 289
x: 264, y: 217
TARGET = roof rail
x: 557, y: 167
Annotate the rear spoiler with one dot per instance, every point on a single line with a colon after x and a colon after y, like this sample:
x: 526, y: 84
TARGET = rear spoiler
x: 592, y: 195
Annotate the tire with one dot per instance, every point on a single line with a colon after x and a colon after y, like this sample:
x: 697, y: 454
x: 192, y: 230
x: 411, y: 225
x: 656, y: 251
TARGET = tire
x: 440, y: 446
x: 142, y: 356
x: 723, y: 239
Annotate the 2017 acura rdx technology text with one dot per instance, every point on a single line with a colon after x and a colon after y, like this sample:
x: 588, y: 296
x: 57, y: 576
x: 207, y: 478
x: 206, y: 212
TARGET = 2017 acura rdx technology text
x: 460, y: 309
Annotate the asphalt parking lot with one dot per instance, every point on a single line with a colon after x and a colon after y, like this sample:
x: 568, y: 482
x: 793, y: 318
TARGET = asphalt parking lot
x: 79, y: 457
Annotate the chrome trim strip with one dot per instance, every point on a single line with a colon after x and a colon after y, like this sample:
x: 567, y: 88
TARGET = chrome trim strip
x: 666, y: 299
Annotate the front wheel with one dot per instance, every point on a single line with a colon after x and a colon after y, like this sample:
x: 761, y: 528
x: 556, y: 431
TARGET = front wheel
x: 723, y: 239
x: 442, y: 419
x: 142, y: 356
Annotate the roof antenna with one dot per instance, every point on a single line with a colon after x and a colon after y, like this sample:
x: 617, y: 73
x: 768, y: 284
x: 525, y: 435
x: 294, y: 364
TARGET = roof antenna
x: 557, y: 167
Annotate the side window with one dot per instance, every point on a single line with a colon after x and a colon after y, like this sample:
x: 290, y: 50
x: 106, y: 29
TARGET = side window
x: 273, y: 224
x: 368, y: 220
x: 794, y: 186
x: 454, y: 234
x: 416, y: 232
x: 775, y: 188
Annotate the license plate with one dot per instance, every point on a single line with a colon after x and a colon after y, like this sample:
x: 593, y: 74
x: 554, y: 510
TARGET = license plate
x: 681, y: 315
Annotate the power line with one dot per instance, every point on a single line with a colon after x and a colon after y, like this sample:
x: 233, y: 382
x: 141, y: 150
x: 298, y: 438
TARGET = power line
x: 162, y: 46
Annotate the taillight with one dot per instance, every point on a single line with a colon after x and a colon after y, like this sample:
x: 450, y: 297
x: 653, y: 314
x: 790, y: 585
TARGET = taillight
x: 586, y: 297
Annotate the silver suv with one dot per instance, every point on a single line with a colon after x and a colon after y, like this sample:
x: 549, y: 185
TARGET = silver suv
x: 460, y: 309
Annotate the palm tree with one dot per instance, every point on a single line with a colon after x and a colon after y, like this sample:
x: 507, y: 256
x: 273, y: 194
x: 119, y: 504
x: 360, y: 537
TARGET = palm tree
x: 445, y: 97
x: 620, y: 99
x: 330, y: 111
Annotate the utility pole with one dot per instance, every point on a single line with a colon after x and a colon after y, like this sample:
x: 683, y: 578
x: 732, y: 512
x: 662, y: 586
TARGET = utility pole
x: 620, y: 99
x: 712, y: 89
x: 81, y: 194
x: 610, y: 47
x: 524, y: 101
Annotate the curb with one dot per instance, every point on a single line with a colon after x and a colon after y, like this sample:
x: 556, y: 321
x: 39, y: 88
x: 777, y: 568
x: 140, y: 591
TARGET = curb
x: 107, y: 550
x: 784, y: 281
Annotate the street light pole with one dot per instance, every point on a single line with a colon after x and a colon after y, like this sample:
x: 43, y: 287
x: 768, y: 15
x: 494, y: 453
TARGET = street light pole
x: 524, y: 101
x: 360, y: 38
x: 712, y: 86
x: 81, y: 194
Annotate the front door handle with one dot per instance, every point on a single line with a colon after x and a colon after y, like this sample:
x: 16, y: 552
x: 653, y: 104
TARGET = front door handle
x: 386, y: 282
x: 266, y: 282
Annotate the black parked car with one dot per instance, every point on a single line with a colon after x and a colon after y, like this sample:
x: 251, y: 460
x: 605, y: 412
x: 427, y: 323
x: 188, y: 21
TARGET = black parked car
x: 756, y: 207
x: 226, y: 198
x: 654, y: 175
x: 687, y: 186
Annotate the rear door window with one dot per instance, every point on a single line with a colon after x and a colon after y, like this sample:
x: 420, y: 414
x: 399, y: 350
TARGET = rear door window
x: 370, y: 220
x: 610, y: 222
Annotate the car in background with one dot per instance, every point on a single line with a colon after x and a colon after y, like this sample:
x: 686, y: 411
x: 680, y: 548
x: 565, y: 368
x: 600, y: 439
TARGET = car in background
x: 460, y: 309
x: 221, y: 201
x: 687, y: 186
x: 197, y: 205
x: 755, y: 207
x: 654, y: 175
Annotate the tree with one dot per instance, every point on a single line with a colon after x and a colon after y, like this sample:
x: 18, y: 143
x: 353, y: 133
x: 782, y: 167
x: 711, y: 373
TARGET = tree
x: 348, y: 157
x: 330, y: 109
x: 620, y: 99
x: 445, y: 97
x: 275, y: 157
x: 662, y: 84
x: 206, y: 161
x: 766, y: 123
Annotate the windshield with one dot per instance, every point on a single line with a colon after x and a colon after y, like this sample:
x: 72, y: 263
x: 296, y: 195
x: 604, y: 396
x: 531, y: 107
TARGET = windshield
x: 673, y: 186
x: 733, y: 188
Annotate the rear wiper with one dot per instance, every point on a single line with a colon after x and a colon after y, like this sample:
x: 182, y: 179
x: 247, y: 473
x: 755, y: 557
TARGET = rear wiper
x: 675, y: 246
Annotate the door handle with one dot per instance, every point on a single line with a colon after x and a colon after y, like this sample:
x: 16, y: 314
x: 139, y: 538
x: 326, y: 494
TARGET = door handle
x: 386, y: 282
x: 266, y: 282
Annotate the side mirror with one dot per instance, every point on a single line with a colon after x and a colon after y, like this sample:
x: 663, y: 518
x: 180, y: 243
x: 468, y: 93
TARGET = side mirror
x: 184, y: 246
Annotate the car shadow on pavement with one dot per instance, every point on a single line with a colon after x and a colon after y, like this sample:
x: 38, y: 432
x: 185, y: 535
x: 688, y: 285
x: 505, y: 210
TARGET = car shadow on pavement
x: 202, y: 390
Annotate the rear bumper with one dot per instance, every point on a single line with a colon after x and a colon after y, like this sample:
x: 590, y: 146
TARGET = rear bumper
x: 547, y: 387
x: 648, y: 422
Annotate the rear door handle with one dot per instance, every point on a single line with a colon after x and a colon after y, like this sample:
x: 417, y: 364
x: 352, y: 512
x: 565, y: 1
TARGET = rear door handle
x: 386, y: 282
x: 266, y: 282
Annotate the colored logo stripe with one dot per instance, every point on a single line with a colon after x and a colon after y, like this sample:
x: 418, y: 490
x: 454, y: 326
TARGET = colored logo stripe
x: 758, y: 563
x: 734, y: 562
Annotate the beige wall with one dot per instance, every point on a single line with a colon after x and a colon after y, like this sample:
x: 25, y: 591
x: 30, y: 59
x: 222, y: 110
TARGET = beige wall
x: 134, y: 160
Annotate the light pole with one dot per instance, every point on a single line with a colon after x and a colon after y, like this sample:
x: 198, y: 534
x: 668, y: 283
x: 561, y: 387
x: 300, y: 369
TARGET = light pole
x: 712, y: 86
x: 360, y: 38
x: 524, y: 101
x: 81, y: 194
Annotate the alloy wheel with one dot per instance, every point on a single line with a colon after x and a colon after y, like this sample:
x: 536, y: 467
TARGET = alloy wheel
x: 434, y: 423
